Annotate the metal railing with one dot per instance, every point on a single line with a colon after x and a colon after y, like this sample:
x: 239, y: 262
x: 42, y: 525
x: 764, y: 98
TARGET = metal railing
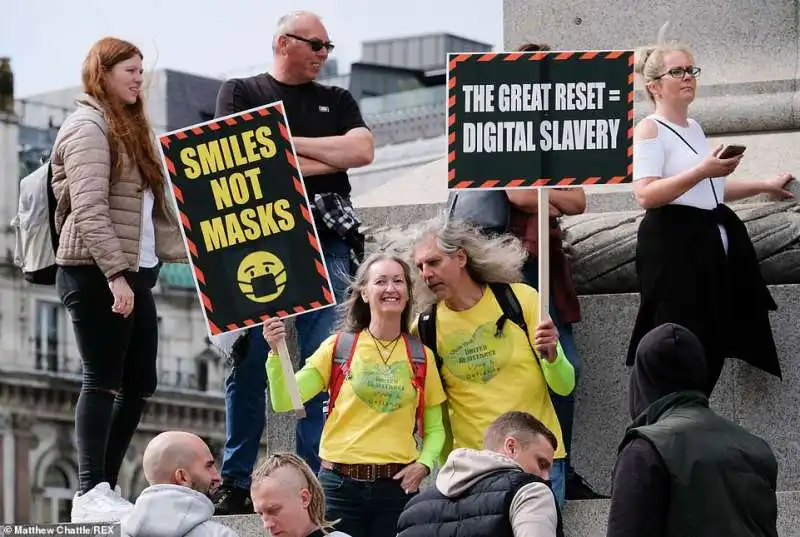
x: 61, y: 365
x: 393, y: 102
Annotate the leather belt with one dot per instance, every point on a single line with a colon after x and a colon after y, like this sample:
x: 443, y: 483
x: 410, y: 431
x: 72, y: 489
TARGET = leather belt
x: 364, y: 472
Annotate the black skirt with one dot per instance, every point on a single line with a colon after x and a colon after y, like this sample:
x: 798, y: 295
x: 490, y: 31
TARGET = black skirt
x: 685, y: 277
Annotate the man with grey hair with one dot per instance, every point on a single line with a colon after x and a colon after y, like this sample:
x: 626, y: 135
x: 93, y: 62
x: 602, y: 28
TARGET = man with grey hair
x: 181, y: 472
x: 498, y: 491
x: 330, y: 137
x: 494, y: 351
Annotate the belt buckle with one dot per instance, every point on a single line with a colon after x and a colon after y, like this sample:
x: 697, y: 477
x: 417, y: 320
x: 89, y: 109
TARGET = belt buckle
x: 371, y: 471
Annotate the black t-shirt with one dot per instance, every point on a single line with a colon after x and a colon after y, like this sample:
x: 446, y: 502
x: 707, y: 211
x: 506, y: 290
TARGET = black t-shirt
x: 313, y: 111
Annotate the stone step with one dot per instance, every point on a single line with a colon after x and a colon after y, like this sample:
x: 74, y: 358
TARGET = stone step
x: 588, y: 518
x: 763, y: 404
x: 581, y: 519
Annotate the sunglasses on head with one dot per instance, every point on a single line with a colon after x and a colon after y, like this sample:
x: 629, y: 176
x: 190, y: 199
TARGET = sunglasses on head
x: 316, y: 44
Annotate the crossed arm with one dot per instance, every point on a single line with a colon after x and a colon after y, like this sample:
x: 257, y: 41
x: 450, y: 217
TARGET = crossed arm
x: 330, y: 154
x: 317, y: 156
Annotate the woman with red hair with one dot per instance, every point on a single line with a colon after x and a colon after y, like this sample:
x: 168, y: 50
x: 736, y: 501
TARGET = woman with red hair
x: 115, y: 228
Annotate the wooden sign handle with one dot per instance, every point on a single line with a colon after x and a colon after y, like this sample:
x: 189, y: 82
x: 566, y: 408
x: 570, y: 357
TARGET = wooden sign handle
x: 291, y: 382
x: 544, y: 254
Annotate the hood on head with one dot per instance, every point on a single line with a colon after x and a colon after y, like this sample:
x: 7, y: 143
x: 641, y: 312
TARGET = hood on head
x: 167, y: 511
x: 465, y: 467
x: 669, y: 359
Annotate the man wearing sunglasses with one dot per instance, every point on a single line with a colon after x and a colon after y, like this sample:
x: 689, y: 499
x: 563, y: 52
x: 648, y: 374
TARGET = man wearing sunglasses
x: 330, y: 137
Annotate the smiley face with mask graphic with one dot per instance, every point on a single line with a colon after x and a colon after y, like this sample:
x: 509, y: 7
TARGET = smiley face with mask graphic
x: 262, y: 277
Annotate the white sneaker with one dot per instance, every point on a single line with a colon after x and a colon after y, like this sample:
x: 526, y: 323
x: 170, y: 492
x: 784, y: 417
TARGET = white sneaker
x: 100, y: 504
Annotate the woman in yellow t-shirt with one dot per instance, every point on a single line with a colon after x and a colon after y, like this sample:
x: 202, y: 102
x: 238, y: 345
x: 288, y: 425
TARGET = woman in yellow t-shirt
x: 371, y: 463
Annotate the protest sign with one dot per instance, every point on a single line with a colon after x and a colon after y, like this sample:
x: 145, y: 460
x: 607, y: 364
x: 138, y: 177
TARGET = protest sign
x: 246, y: 220
x: 539, y: 119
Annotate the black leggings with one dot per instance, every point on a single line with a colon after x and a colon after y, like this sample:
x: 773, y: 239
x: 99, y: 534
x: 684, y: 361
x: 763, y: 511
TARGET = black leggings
x: 119, y: 366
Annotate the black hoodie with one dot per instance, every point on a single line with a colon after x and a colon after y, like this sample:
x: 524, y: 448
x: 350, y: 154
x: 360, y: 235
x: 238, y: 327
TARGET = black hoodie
x: 683, y: 470
x: 669, y: 359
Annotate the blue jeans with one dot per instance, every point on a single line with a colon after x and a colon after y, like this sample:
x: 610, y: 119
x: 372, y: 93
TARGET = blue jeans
x: 365, y: 508
x: 245, y: 387
x: 564, y: 404
x: 558, y: 480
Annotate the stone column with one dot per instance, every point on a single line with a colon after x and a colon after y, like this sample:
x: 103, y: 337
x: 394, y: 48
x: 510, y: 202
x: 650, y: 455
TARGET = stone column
x: 747, y: 91
x: 6, y: 471
x: 24, y: 442
x: 747, y: 95
x: 9, y: 175
x: 747, y: 50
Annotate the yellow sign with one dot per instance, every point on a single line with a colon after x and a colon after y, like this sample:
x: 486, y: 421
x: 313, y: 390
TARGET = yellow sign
x: 262, y: 277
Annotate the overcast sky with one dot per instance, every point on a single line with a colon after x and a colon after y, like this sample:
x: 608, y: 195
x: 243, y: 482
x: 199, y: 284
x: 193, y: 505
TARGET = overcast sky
x: 47, y: 40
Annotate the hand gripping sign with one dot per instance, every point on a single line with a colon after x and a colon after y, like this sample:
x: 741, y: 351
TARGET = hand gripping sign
x: 539, y: 120
x: 246, y: 223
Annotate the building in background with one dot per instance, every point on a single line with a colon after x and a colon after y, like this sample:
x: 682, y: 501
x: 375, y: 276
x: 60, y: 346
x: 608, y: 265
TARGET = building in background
x: 400, y: 85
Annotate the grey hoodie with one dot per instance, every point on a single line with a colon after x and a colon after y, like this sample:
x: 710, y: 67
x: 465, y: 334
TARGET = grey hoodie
x: 172, y: 511
x: 533, y: 510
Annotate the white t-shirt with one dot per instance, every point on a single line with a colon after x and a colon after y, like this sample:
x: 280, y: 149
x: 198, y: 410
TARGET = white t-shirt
x: 147, y: 239
x: 667, y: 155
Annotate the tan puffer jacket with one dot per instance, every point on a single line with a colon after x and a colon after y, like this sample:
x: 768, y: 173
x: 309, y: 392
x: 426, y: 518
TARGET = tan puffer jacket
x: 100, y: 222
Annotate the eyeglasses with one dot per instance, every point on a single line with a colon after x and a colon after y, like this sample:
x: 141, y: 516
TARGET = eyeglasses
x: 316, y: 44
x: 680, y: 72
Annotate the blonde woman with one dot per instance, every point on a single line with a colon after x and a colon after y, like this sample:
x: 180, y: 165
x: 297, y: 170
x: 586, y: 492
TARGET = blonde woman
x: 383, y: 384
x: 696, y: 264
x: 289, y: 499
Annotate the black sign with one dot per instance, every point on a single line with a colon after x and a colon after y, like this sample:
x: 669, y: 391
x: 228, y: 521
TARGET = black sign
x: 534, y: 119
x: 246, y: 220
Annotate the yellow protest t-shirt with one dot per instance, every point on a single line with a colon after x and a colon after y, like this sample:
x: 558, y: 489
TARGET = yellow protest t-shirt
x: 486, y: 376
x: 374, y: 416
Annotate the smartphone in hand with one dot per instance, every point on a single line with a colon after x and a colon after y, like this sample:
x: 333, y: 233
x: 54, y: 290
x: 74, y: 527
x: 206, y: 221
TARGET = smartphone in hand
x: 730, y: 151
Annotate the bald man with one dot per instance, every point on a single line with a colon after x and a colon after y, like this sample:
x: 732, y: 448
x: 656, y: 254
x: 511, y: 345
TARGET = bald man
x: 330, y: 137
x: 182, y: 474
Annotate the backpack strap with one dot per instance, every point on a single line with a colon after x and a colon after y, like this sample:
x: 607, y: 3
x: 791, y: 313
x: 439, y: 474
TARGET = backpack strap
x: 426, y: 327
x: 343, y: 349
x: 51, y: 208
x: 676, y: 133
x: 512, y: 310
x: 415, y: 350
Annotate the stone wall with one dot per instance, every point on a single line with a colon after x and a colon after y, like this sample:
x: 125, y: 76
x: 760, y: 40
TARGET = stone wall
x: 746, y: 48
x: 763, y: 404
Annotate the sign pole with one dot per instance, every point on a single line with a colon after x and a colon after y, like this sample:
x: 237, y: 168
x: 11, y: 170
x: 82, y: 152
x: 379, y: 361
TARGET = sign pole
x: 291, y: 382
x: 544, y: 254
x: 536, y: 120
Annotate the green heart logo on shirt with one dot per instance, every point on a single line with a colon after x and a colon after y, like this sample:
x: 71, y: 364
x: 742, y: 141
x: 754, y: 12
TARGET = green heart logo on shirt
x: 383, y: 388
x: 476, y: 357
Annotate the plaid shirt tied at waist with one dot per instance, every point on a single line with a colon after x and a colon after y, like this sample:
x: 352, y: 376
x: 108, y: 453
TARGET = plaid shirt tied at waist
x: 336, y: 213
